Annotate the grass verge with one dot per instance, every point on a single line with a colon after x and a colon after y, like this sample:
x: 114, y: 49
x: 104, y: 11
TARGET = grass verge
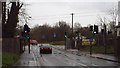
x: 57, y: 43
x: 8, y: 59
x: 98, y: 49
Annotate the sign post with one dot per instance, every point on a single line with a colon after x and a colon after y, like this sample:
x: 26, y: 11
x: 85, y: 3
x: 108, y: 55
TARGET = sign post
x: 91, y: 40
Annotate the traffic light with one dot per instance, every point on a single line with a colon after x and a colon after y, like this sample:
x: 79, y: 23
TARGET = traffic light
x: 26, y: 31
x: 95, y: 29
x: 91, y: 28
x: 26, y: 28
x: 65, y: 34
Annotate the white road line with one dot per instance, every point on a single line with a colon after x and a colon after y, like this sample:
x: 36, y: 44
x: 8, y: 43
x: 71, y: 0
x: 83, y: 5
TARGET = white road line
x: 35, y: 59
x: 82, y: 64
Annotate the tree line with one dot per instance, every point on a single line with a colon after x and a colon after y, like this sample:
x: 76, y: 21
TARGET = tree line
x: 11, y: 12
x: 47, y: 33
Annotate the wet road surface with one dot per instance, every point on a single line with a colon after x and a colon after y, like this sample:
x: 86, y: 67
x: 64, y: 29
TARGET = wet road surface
x: 61, y: 58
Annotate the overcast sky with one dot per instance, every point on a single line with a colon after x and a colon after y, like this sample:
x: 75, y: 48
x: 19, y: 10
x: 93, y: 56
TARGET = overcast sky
x: 52, y: 11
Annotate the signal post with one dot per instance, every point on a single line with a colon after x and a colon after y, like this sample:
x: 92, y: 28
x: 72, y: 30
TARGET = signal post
x: 27, y: 35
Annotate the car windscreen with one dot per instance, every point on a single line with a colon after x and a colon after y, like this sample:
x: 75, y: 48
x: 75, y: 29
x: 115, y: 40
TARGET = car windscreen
x: 34, y: 41
x: 45, y: 45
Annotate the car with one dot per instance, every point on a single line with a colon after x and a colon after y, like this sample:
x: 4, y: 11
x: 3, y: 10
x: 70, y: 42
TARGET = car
x: 46, y: 48
x: 33, y: 42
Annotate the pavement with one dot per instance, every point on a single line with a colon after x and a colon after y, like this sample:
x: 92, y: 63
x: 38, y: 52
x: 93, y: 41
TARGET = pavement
x: 26, y: 59
x: 99, y: 56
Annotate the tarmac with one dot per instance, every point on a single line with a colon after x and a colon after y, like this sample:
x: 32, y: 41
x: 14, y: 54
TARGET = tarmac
x: 28, y: 59
x: 94, y: 55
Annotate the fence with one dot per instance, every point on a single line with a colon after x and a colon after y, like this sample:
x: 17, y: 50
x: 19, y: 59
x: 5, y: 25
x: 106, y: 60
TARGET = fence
x: 11, y: 45
x: 117, y: 49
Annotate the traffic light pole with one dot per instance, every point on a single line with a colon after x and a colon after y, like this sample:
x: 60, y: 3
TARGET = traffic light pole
x: 90, y: 48
x: 105, y: 43
x: 91, y: 44
x: 27, y: 35
x: 65, y: 36
x: 29, y: 44
x: 24, y: 44
x: 94, y: 31
x: 104, y: 39
x: 65, y: 44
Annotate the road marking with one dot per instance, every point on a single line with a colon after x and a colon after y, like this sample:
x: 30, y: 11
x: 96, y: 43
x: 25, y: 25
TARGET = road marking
x: 82, y: 64
x: 34, y: 58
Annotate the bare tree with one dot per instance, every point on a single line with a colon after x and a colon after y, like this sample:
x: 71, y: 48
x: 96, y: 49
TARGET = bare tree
x: 45, y: 33
x: 77, y: 26
x: 9, y: 24
x: 114, y: 15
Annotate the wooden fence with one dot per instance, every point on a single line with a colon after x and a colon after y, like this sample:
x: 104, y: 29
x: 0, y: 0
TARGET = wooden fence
x: 11, y: 45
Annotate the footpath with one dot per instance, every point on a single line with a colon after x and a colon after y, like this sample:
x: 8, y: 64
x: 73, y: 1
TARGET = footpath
x: 94, y: 55
x: 26, y: 59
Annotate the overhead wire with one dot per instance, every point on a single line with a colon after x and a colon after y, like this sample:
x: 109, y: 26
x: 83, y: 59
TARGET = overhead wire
x: 66, y: 16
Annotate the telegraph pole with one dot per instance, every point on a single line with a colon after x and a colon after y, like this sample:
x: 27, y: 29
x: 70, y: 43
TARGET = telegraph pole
x: 72, y: 21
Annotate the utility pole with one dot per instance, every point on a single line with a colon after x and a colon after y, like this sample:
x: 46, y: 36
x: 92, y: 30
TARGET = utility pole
x: 72, y: 21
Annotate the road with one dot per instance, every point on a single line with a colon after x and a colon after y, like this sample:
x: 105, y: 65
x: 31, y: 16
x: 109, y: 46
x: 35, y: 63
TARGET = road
x: 61, y: 58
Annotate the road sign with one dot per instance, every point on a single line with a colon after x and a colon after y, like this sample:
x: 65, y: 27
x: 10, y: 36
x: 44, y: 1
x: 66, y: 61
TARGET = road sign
x: 54, y: 35
x: 91, y: 39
